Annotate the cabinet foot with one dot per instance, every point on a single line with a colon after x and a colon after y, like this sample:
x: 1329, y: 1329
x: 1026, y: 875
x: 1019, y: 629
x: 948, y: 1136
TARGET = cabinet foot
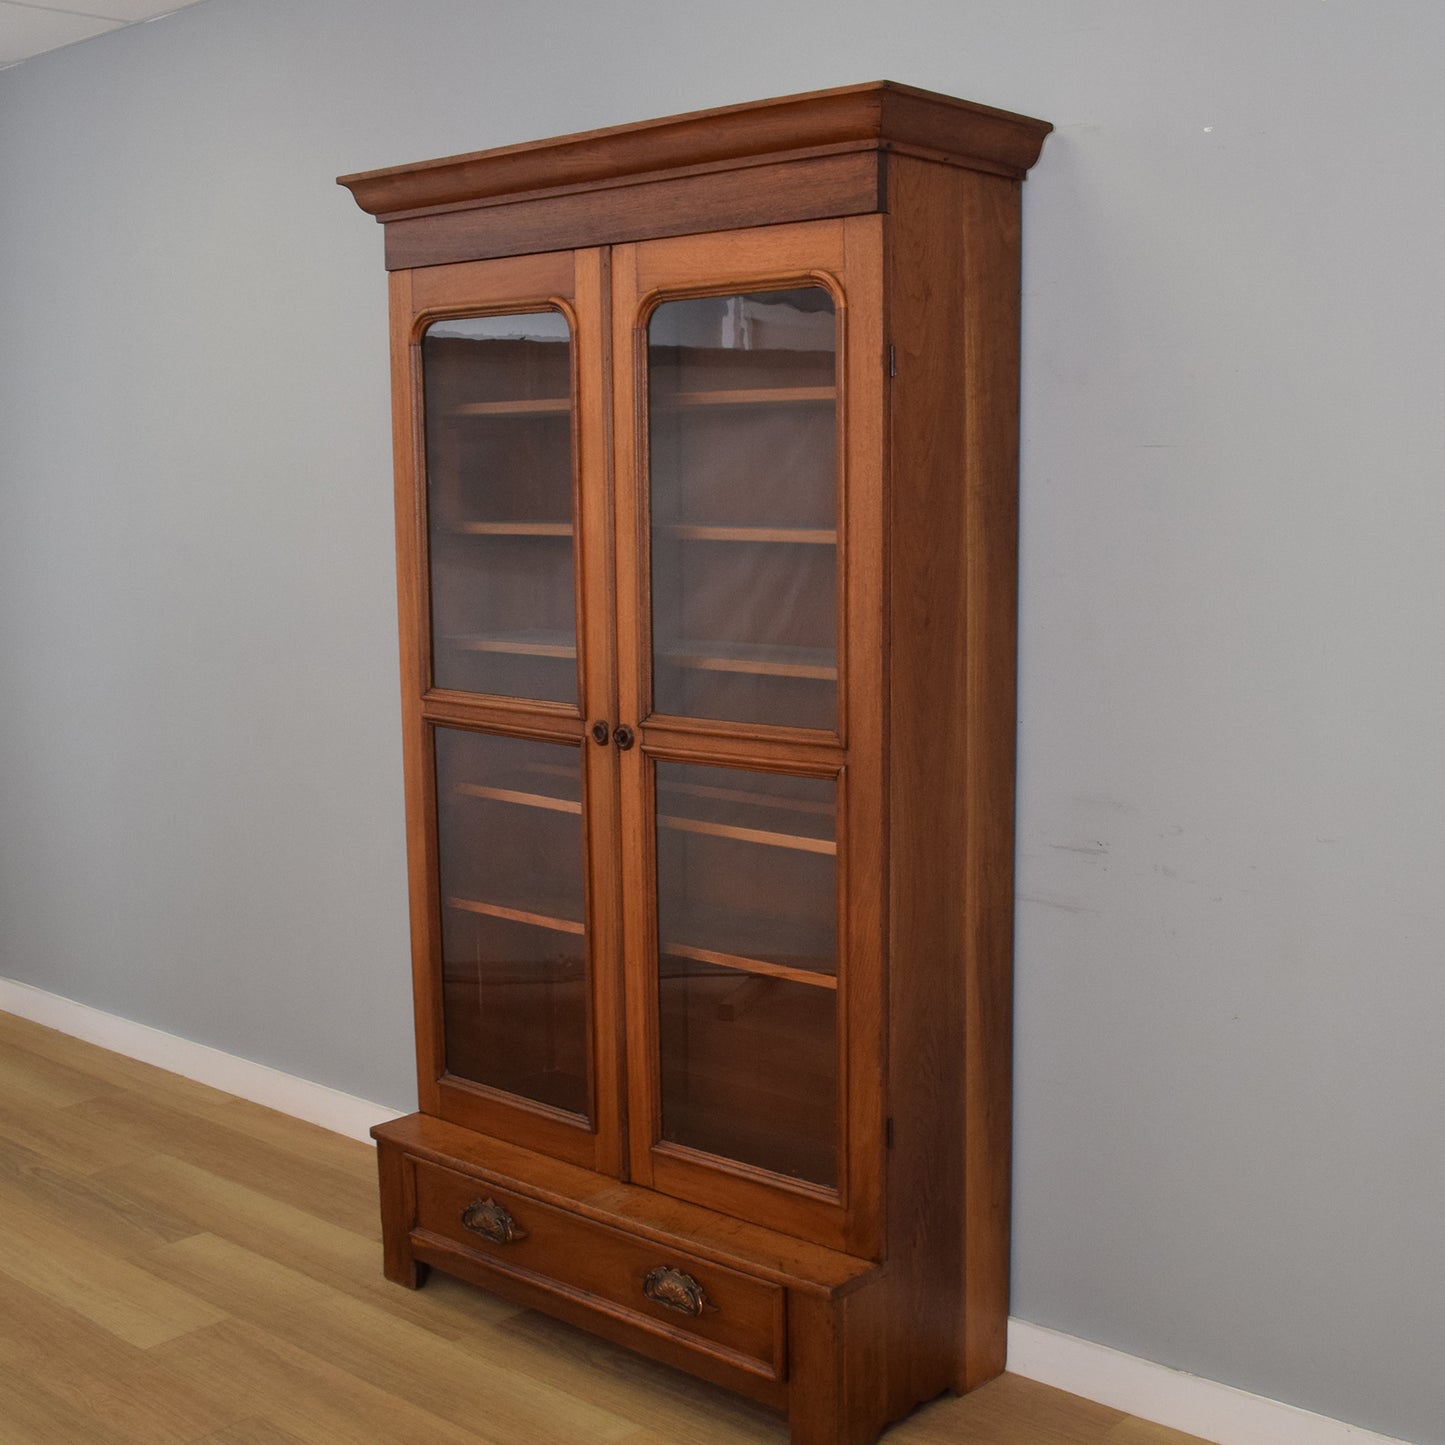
x: 408, y: 1272
x: 836, y: 1394
x: 398, y: 1212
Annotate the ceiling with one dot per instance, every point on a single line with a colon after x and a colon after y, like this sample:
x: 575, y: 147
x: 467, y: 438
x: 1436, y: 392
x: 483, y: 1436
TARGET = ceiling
x: 27, y: 28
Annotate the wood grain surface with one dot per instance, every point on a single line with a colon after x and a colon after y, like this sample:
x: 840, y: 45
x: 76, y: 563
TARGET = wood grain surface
x: 177, y: 1265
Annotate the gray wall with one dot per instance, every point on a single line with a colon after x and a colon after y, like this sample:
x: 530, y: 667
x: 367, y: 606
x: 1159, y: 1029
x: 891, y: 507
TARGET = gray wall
x: 1230, y: 1085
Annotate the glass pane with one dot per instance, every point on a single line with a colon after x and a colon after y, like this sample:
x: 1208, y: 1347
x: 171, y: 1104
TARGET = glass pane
x: 514, y: 946
x: 742, y: 405
x: 498, y: 395
x: 747, y: 932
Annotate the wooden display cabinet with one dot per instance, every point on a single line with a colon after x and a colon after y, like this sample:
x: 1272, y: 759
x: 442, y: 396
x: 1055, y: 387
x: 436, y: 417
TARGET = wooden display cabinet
x: 706, y: 460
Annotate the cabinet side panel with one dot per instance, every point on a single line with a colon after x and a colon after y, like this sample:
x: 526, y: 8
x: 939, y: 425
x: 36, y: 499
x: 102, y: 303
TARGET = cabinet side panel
x: 991, y: 276
x: 953, y: 271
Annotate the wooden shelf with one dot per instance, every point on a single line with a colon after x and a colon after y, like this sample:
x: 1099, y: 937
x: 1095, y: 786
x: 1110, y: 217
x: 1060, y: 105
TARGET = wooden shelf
x: 517, y: 915
x: 520, y: 644
x: 751, y: 965
x: 749, y: 797
x: 749, y: 835
x: 526, y: 800
x: 751, y: 396
x: 512, y: 529
x: 538, y: 406
x: 804, y: 536
x: 773, y: 947
x: 817, y: 663
x: 571, y: 772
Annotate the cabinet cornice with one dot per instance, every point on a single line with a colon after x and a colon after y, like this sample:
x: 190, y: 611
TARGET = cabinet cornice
x: 879, y: 116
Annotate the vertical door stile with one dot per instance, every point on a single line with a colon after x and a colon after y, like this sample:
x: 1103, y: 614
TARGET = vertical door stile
x: 632, y: 628
x: 864, y: 590
x: 412, y: 609
x: 597, y: 631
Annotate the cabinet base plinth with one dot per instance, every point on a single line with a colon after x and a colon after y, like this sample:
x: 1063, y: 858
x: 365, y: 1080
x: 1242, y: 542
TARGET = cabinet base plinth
x: 794, y: 1327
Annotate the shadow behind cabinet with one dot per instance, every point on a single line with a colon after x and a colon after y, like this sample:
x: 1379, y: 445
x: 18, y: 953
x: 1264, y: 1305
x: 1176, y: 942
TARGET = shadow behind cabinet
x: 706, y: 460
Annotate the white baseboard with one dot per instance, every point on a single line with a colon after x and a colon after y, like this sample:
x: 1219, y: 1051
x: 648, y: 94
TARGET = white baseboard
x: 302, y: 1099
x: 1214, y: 1412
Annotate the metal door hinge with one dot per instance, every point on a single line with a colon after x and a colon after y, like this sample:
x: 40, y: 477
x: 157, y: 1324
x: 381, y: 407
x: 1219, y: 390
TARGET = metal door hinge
x: 888, y: 1133
x: 892, y: 361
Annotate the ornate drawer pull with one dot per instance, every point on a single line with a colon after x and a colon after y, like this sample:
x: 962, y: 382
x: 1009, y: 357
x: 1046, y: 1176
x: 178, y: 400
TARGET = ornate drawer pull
x: 487, y: 1218
x: 676, y: 1290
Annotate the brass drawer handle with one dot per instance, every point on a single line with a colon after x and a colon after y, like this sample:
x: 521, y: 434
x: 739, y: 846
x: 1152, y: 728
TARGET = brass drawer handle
x: 676, y: 1290
x: 487, y: 1218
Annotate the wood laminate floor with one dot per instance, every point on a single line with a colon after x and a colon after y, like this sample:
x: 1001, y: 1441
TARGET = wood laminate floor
x: 178, y: 1265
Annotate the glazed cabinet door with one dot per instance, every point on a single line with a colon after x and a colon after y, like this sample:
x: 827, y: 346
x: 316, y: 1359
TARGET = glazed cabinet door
x: 507, y: 659
x: 748, y: 376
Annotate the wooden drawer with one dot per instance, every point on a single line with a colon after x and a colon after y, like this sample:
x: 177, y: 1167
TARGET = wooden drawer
x: 664, y: 1291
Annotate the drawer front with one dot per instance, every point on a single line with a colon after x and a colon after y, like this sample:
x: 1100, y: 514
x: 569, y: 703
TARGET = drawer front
x: 661, y: 1289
